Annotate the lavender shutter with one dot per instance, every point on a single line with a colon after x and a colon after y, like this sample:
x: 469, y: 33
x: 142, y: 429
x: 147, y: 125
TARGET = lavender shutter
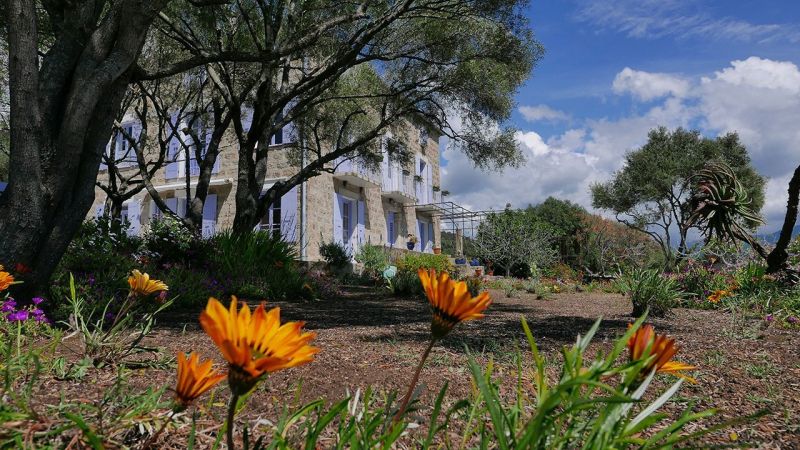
x: 210, y: 215
x: 338, y: 227
x: 289, y: 215
x: 134, y: 217
x: 362, y: 226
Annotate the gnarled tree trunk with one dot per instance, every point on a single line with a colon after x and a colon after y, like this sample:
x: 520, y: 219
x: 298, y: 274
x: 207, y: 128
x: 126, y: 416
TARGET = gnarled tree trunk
x: 61, y: 119
x: 776, y: 260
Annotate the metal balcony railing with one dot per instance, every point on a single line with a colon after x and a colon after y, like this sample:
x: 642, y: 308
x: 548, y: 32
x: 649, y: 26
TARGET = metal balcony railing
x: 354, y: 170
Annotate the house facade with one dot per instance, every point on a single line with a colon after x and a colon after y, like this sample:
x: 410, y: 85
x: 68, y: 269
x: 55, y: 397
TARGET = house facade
x: 353, y: 206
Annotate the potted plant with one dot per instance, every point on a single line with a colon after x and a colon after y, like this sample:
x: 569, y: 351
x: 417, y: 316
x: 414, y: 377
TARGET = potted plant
x: 411, y: 241
x: 478, y: 272
x: 418, y: 178
x: 436, y: 188
x: 461, y: 261
x: 437, y: 250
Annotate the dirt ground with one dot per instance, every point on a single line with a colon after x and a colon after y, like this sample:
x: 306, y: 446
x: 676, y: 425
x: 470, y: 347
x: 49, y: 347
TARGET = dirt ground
x: 369, y: 339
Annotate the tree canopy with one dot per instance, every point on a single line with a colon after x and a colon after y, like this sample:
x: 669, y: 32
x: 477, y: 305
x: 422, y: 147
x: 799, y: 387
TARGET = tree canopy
x: 652, y: 192
x: 372, y: 63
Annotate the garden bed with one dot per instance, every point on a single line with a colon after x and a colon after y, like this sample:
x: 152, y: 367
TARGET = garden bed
x: 369, y: 339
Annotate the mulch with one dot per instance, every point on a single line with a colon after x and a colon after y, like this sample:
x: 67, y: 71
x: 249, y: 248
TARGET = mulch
x: 369, y: 339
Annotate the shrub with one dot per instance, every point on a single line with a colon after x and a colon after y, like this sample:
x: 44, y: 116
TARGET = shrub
x: 474, y: 285
x: 412, y: 262
x: 334, y: 254
x: 405, y: 283
x: 697, y: 281
x: 167, y: 241
x: 650, y: 291
x: 374, y: 258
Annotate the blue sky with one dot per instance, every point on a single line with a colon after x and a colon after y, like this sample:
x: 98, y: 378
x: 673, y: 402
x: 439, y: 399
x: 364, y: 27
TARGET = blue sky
x: 613, y: 69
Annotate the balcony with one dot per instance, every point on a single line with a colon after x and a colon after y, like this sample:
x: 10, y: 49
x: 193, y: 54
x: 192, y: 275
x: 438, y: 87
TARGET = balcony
x: 356, y: 173
x: 398, y: 186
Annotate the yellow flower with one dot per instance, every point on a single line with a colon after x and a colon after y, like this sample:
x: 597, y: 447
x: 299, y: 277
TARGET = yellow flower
x: 194, y: 379
x: 662, y: 349
x: 142, y: 284
x: 6, y: 280
x: 450, y: 301
x: 255, y: 344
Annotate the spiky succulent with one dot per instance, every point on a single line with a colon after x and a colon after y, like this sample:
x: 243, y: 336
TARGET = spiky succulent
x: 720, y: 204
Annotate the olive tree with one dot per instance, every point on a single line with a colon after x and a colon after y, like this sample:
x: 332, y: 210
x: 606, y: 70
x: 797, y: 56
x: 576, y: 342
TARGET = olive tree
x: 70, y: 64
x: 652, y: 192
x: 510, y: 238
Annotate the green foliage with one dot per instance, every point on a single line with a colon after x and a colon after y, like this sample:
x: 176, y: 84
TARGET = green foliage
x: 565, y: 219
x: 334, y: 254
x: 511, y: 239
x: 374, y: 258
x: 412, y: 262
x: 594, y: 404
x: 649, y: 290
x: 654, y: 186
x: 167, y: 240
x: 697, y: 281
x: 110, y: 332
x: 721, y: 205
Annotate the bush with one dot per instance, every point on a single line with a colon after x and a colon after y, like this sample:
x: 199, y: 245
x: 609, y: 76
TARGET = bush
x: 335, y: 255
x: 650, y: 291
x: 168, y: 241
x: 412, y: 262
x: 375, y: 260
x: 698, y: 281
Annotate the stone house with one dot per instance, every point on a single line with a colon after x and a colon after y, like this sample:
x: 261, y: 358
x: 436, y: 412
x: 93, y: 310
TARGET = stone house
x: 353, y: 206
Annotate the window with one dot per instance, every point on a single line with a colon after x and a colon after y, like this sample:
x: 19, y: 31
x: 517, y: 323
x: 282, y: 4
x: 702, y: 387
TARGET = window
x: 423, y: 136
x: 123, y: 152
x: 124, y: 214
x: 272, y: 219
x: 346, y: 222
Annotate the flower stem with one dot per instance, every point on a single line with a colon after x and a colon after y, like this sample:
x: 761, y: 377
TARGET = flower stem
x: 158, y: 433
x: 413, y: 383
x: 229, y: 423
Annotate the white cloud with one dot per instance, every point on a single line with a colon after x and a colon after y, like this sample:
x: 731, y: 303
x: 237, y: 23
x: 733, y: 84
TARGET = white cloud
x: 679, y: 19
x: 758, y: 98
x: 542, y: 112
x: 648, y: 86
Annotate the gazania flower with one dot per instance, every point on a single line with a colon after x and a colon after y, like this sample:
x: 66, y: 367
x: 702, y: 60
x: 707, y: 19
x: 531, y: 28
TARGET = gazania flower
x: 255, y: 344
x: 194, y: 379
x: 6, y: 280
x: 718, y: 295
x: 450, y: 301
x: 142, y: 284
x: 661, y: 352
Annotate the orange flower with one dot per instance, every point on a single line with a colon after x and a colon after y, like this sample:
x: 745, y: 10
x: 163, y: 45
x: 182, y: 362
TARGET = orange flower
x: 450, y: 301
x: 141, y: 283
x: 718, y: 295
x: 194, y: 379
x: 6, y: 279
x: 255, y: 344
x: 661, y: 350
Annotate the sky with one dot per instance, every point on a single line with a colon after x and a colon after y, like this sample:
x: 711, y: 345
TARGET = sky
x: 614, y: 69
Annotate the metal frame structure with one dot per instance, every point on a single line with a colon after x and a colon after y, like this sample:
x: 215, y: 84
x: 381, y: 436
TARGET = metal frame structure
x: 455, y: 219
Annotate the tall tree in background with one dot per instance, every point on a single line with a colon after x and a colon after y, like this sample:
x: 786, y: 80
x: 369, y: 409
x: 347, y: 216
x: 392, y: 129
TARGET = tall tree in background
x: 70, y: 64
x: 652, y: 192
x: 566, y: 219
x: 512, y: 238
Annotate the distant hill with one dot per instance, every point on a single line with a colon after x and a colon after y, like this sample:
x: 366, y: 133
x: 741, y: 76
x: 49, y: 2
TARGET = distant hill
x: 773, y: 237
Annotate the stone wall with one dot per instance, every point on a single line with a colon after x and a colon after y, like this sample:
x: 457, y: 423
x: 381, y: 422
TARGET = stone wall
x: 319, y: 195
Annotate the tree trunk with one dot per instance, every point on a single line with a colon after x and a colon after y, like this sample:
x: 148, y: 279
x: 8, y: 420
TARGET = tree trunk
x: 776, y: 260
x: 61, y: 119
